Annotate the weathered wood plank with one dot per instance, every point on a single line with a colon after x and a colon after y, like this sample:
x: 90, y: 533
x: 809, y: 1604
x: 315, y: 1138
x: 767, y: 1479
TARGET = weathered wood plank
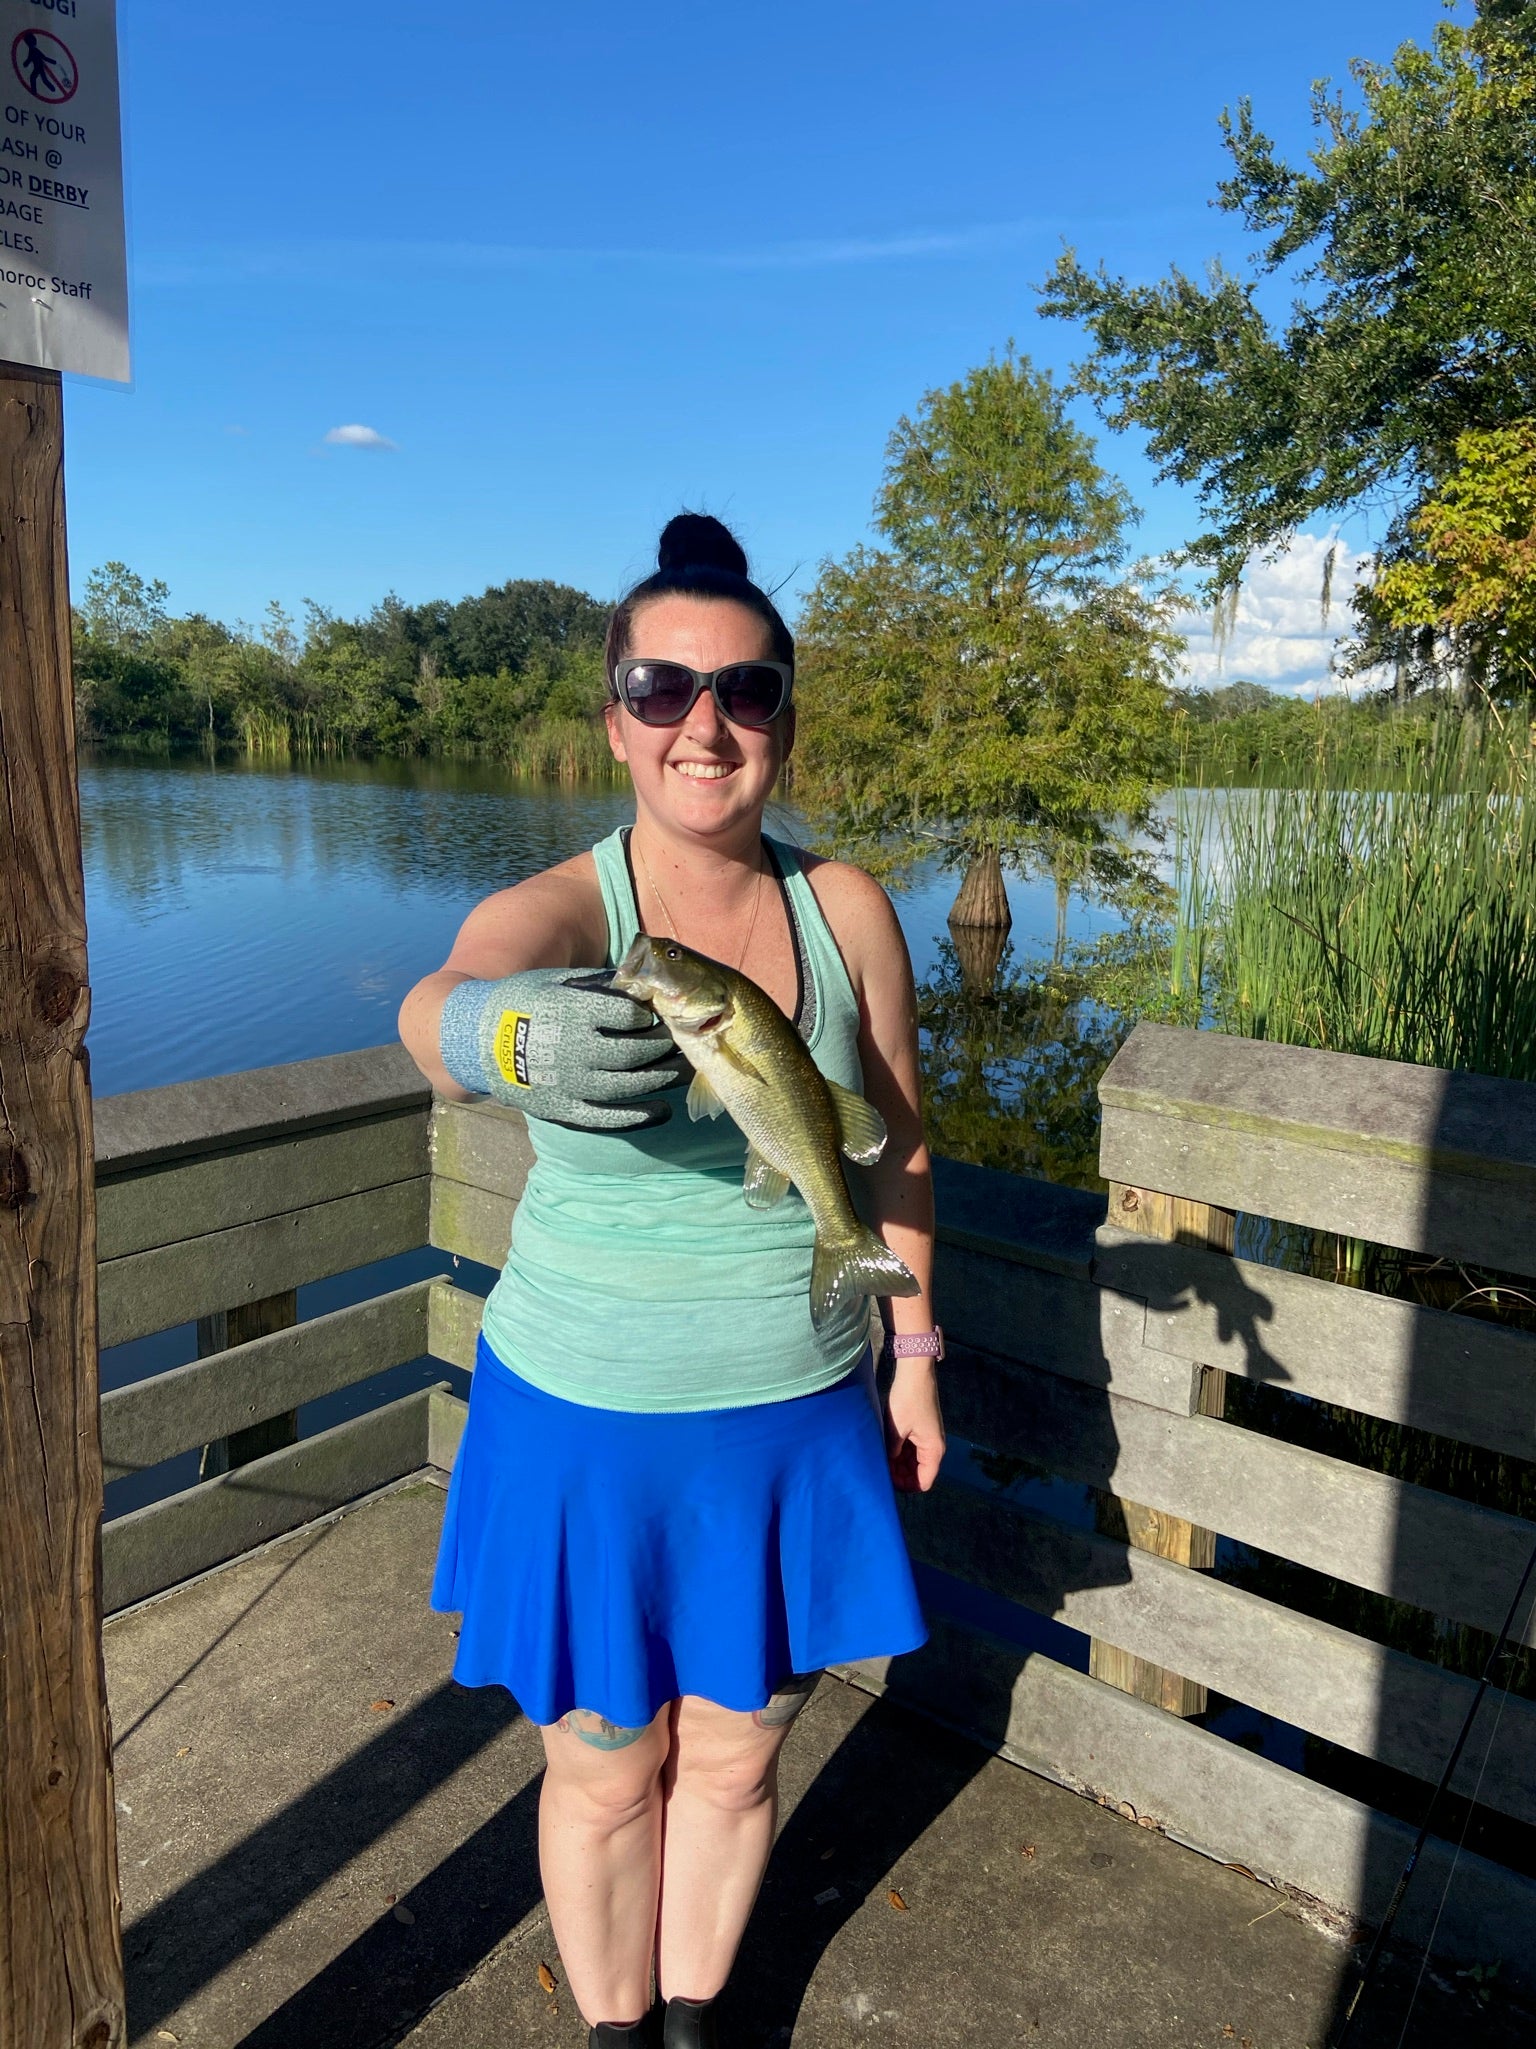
x: 1014, y: 1218
x: 445, y: 1429
x: 453, y: 1324
x: 155, y: 1419
x: 147, y: 1126
x: 1163, y: 1219
x: 470, y: 1222
x: 1390, y: 1536
x: 1213, y: 1795
x: 1411, y: 1156
x: 483, y: 1144
x: 1060, y: 1322
x: 61, y: 1982
x: 155, y: 1290
x: 1454, y: 1375
x: 1378, y: 1702
x: 165, y: 1204
x: 169, y: 1541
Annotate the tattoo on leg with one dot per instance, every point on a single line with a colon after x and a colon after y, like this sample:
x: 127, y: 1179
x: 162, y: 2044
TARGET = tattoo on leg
x: 597, y: 1730
x: 787, y: 1701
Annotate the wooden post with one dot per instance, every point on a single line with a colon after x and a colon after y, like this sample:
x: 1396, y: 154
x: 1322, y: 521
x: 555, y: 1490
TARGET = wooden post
x: 217, y: 1333
x: 1178, y: 1222
x: 61, y: 1973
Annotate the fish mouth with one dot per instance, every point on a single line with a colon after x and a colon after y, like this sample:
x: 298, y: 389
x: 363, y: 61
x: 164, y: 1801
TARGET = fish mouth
x: 708, y: 1024
x: 631, y: 969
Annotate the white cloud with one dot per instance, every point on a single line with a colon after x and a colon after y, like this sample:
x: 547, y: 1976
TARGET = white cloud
x: 358, y: 437
x: 1279, y: 636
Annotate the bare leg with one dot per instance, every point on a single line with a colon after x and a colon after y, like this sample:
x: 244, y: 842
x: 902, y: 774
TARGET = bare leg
x: 720, y: 1787
x: 600, y: 1856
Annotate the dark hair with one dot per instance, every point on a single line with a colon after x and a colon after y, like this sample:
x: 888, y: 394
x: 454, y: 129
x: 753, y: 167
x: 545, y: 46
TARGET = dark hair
x: 697, y: 557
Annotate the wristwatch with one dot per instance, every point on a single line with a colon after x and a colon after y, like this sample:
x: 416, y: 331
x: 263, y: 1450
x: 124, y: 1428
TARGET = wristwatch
x: 914, y: 1344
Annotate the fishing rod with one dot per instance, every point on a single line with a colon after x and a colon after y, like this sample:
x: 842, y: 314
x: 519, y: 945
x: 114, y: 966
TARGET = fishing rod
x: 1374, y: 1953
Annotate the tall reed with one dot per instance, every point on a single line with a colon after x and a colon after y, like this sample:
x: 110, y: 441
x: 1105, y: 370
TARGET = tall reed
x: 1399, y: 922
x: 564, y: 751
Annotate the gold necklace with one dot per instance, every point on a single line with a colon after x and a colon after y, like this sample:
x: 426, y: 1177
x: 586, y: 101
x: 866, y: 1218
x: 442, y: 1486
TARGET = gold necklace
x: 757, y: 895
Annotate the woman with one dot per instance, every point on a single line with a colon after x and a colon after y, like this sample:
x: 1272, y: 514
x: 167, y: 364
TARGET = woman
x: 672, y: 1506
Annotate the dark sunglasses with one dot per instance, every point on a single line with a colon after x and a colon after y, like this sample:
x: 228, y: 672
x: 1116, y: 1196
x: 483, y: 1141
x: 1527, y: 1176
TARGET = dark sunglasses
x: 663, y: 693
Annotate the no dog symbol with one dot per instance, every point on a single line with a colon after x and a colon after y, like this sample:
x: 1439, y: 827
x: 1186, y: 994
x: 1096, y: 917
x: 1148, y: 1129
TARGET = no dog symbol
x: 45, y: 66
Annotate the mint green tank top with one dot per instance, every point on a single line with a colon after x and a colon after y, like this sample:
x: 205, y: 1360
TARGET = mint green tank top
x: 638, y: 1278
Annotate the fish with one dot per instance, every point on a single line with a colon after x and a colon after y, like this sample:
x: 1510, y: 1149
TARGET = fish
x: 749, y: 1061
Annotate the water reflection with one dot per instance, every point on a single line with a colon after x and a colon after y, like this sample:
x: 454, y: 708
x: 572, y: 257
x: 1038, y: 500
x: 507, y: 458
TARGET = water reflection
x: 1011, y: 1070
x: 244, y: 915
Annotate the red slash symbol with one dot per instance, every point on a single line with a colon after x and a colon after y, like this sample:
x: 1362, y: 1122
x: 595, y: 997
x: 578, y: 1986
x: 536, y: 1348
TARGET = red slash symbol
x: 45, y: 66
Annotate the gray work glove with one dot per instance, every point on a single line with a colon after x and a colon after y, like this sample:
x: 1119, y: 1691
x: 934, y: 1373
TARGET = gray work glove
x: 559, y: 1045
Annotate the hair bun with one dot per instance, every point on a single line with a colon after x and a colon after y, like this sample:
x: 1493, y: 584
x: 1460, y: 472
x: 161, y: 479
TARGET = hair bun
x: 696, y: 540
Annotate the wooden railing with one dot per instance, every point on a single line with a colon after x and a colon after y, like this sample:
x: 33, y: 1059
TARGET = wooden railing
x: 1089, y: 1354
x: 217, y: 1194
x: 1082, y: 1349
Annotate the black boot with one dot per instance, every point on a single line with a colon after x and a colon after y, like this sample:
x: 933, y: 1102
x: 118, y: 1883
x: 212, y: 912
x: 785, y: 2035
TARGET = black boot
x: 641, y: 2034
x: 690, y: 2024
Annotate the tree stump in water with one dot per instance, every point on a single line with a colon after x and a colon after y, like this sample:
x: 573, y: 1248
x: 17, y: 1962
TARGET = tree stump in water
x: 983, y: 899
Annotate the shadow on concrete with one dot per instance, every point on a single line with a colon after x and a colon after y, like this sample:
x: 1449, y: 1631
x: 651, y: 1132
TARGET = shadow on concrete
x: 185, y: 1940
x: 889, y: 1779
x: 381, y: 1983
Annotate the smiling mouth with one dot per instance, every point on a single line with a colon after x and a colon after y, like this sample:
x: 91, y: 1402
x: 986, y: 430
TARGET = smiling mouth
x: 704, y: 771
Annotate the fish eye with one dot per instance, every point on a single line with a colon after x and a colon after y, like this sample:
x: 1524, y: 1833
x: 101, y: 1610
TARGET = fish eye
x: 673, y: 953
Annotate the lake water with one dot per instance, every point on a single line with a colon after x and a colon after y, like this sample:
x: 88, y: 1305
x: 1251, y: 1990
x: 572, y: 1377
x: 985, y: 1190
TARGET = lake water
x: 243, y: 915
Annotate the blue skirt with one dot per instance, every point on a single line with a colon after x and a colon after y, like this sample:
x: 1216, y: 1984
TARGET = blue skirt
x: 614, y: 1560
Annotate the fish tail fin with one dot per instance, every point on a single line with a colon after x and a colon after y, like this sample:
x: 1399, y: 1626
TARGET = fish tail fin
x: 842, y: 1269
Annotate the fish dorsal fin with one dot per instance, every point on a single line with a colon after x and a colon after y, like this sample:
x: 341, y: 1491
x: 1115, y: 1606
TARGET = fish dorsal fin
x: 763, y: 1185
x: 860, y: 1124
x: 702, y: 1100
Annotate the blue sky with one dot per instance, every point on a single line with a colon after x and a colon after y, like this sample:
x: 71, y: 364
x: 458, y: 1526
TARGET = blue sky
x: 581, y: 265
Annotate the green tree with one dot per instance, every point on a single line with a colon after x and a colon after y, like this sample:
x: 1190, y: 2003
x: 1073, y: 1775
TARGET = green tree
x: 398, y: 679
x: 120, y: 609
x: 990, y: 683
x: 1406, y: 247
x: 510, y: 623
x: 200, y: 651
x: 1470, y: 585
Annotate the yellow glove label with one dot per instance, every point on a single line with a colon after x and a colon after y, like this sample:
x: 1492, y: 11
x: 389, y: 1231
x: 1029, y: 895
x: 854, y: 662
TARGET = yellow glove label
x: 510, y: 1048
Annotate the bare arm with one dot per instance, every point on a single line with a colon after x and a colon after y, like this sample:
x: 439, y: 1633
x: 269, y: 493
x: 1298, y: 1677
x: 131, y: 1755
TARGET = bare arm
x: 554, y: 920
x: 900, y: 1184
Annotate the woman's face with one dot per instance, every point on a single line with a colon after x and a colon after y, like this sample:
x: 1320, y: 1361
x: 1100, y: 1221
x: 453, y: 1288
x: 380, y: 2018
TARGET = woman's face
x: 703, y: 777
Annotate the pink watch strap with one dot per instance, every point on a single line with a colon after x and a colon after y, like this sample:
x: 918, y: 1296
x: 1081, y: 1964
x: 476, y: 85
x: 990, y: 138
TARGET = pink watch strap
x: 919, y: 1344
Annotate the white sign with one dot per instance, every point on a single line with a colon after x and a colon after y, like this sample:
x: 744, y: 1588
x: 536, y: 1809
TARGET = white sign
x: 63, y: 260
